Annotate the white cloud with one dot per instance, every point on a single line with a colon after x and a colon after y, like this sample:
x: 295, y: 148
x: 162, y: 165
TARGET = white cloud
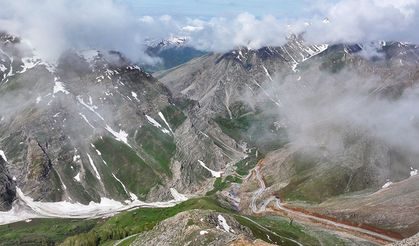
x: 147, y: 19
x: 349, y: 21
x: 366, y: 20
x: 221, y: 34
x: 324, y: 110
x: 53, y: 26
x: 166, y: 18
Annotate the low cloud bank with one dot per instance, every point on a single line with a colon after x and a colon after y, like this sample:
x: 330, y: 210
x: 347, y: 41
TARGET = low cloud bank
x: 324, y: 110
x: 54, y: 26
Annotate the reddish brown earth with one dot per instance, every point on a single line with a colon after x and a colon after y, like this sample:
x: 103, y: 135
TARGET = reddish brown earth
x: 316, y: 217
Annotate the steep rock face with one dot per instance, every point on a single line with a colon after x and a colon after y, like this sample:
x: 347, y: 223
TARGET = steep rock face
x: 61, y: 116
x: 229, y: 92
x: 94, y: 125
x: 7, y: 187
x: 217, y: 81
x: 42, y: 182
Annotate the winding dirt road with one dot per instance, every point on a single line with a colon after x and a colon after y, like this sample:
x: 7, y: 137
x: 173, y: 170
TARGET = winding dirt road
x: 274, y: 205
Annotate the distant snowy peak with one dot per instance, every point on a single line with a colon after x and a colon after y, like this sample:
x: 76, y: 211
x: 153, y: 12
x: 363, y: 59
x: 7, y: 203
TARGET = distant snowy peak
x: 295, y: 51
x: 173, y: 41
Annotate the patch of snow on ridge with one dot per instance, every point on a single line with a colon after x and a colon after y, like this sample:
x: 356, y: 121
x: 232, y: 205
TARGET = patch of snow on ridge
x: 94, y: 167
x: 77, y: 177
x: 123, y: 186
x: 157, y: 124
x: 214, y: 173
x: 76, y: 157
x: 97, y: 151
x: 89, y: 107
x: 2, y: 68
x: 86, y: 120
x: 165, y: 121
x: 121, y: 136
x: 223, y: 223
x: 153, y: 121
x: 134, y: 95
x: 413, y: 172
x: 386, y: 185
x: 317, y: 49
x: 177, y: 196
x: 28, y: 63
x: 267, y: 73
x: 59, y: 87
x: 3, y: 155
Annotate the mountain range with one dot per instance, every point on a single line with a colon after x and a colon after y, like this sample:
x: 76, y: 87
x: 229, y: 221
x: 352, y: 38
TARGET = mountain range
x: 288, y: 145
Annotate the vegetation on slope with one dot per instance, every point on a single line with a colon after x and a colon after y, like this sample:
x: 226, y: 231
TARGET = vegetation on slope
x: 127, y: 166
x: 258, y: 128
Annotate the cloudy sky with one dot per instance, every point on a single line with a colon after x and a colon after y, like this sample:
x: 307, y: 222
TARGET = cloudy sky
x: 52, y: 26
x: 210, y: 8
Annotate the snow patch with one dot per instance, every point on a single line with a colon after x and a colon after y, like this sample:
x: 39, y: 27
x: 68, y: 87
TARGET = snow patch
x: 26, y: 208
x: 386, y: 185
x: 77, y: 177
x: 223, y: 222
x: 134, y: 95
x: 413, y: 172
x: 267, y: 73
x: 121, y: 136
x: 28, y: 63
x: 90, y: 107
x: 66, y: 209
x: 38, y: 99
x: 157, y: 124
x: 153, y: 121
x: 94, y: 167
x: 177, y: 196
x: 125, y: 188
x: 3, y: 155
x: 165, y: 121
x: 86, y: 120
x: 16, y: 214
x: 76, y: 157
x: 97, y: 151
x: 214, y: 173
x: 59, y: 87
